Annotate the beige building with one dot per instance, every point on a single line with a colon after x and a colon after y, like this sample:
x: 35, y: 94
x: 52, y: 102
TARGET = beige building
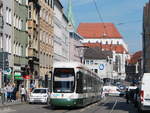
x: 33, y: 39
x: 46, y: 40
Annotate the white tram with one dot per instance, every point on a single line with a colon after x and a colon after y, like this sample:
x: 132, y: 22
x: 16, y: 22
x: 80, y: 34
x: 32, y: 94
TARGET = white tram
x: 74, y: 85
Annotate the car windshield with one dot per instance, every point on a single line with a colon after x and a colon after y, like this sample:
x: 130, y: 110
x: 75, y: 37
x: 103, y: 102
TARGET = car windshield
x: 39, y: 91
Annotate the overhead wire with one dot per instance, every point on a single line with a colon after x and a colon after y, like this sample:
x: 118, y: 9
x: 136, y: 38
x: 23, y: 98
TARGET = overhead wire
x: 100, y: 16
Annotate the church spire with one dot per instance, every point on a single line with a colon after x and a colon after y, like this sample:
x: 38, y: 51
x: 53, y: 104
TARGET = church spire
x: 70, y: 16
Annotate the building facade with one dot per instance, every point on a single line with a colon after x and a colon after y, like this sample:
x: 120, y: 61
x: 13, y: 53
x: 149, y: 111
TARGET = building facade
x: 146, y: 39
x: 33, y: 39
x: 46, y: 39
x: 134, y: 66
x: 61, y: 34
x: 6, y: 37
x: 100, y: 62
x: 106, y: 37
x: 76, y: 48
x: 20, y: 41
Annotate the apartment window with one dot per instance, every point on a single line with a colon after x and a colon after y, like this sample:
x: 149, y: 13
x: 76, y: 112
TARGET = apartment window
x: 87, y: 61
x: 20, y: 1
x: 40, y: 58
x: 52, y: 4
x: 1, y: 41
x: 106, y: 42
x: 7, y: 15
x: 41, y: 12
x: 18, y: 22
x: 25, y: 26
x: 91, y: 62
x: 26, y: 2
x: 9, y: 44
x: 6, y: 43
x: 41, y: 35
x: 95, y: 70
x: 21, y: 50
x: 14, y: 20
x: 1, y: 10
x: 30, y: 15
x: 26, y: 50
x: 118, y: 42
x: 21, y: 27
x: 46, y: 17
x: 14, y: 48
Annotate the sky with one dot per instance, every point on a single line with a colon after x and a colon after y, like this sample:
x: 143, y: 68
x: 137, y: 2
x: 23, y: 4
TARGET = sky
x: 127, y: 15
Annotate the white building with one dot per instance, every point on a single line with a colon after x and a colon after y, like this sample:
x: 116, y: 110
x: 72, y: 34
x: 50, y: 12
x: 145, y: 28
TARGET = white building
x: 61, y: 34
x: 100, y: 62
x: 106, y: 37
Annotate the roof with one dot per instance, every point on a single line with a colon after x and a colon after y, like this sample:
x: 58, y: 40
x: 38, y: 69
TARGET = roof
x: 98, y: 30
x: 97, y: 53
x: 135, y: 57
x: 108, y: 47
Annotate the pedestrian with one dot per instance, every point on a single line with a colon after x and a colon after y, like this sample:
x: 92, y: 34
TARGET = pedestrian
x: 127, y: 96
x: 23, y: 93
x: 14, y: 92
x: 5, y: 92
x: 9, y: 92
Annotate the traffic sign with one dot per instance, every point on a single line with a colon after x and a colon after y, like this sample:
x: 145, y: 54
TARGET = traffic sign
x: 101, y: 66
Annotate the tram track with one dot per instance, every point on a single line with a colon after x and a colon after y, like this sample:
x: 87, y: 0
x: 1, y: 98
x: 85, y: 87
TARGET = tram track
x: 106, y: 101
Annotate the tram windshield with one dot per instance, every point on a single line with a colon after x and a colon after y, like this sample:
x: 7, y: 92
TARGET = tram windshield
x: 63, y: 80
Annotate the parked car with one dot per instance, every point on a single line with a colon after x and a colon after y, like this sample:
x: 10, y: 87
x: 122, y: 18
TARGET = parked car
x: 111, y: 90
x: 144, y: 93
x: 122, y: 87
x: 39, y: 95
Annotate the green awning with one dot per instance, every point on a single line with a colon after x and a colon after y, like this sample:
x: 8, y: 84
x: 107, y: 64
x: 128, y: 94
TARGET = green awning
x: 18, y: 76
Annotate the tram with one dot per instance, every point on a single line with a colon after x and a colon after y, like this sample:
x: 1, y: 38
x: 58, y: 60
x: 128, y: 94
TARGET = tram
x: 74, y: 85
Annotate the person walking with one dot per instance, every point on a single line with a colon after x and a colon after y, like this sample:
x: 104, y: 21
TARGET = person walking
x: 14, y: 92
x: 127, y: 96
x: 23, y: 93
x: 9, y: 92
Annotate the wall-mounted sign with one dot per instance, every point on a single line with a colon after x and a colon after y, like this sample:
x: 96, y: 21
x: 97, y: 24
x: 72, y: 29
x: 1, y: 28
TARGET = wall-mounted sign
x: 101, y: 66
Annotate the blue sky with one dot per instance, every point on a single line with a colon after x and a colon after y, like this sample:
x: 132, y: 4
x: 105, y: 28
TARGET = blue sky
x: 128, y: 12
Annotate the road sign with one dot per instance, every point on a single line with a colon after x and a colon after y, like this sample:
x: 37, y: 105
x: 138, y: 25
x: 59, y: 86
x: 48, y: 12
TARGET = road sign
x: 101, y: 66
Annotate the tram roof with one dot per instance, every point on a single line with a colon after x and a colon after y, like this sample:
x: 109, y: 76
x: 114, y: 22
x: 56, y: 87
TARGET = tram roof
x: 72, y: 65
x: 67, y: 64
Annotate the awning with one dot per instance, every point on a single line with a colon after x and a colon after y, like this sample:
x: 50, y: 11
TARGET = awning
x: 27, y: 77
x: 18, y: 76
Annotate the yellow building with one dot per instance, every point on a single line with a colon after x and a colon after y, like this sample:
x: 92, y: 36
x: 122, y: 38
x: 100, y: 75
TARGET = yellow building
x: 46, y: 40
x: 33, y: 39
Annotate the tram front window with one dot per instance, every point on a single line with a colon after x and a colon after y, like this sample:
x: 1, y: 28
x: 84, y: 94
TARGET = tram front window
x: 63, y: 80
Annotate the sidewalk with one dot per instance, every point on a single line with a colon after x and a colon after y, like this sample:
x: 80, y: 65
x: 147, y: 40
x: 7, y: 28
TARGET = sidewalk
x: 11, y: 103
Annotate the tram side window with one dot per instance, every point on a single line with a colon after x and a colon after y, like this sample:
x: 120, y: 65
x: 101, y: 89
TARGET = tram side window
x: 79, y: 88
